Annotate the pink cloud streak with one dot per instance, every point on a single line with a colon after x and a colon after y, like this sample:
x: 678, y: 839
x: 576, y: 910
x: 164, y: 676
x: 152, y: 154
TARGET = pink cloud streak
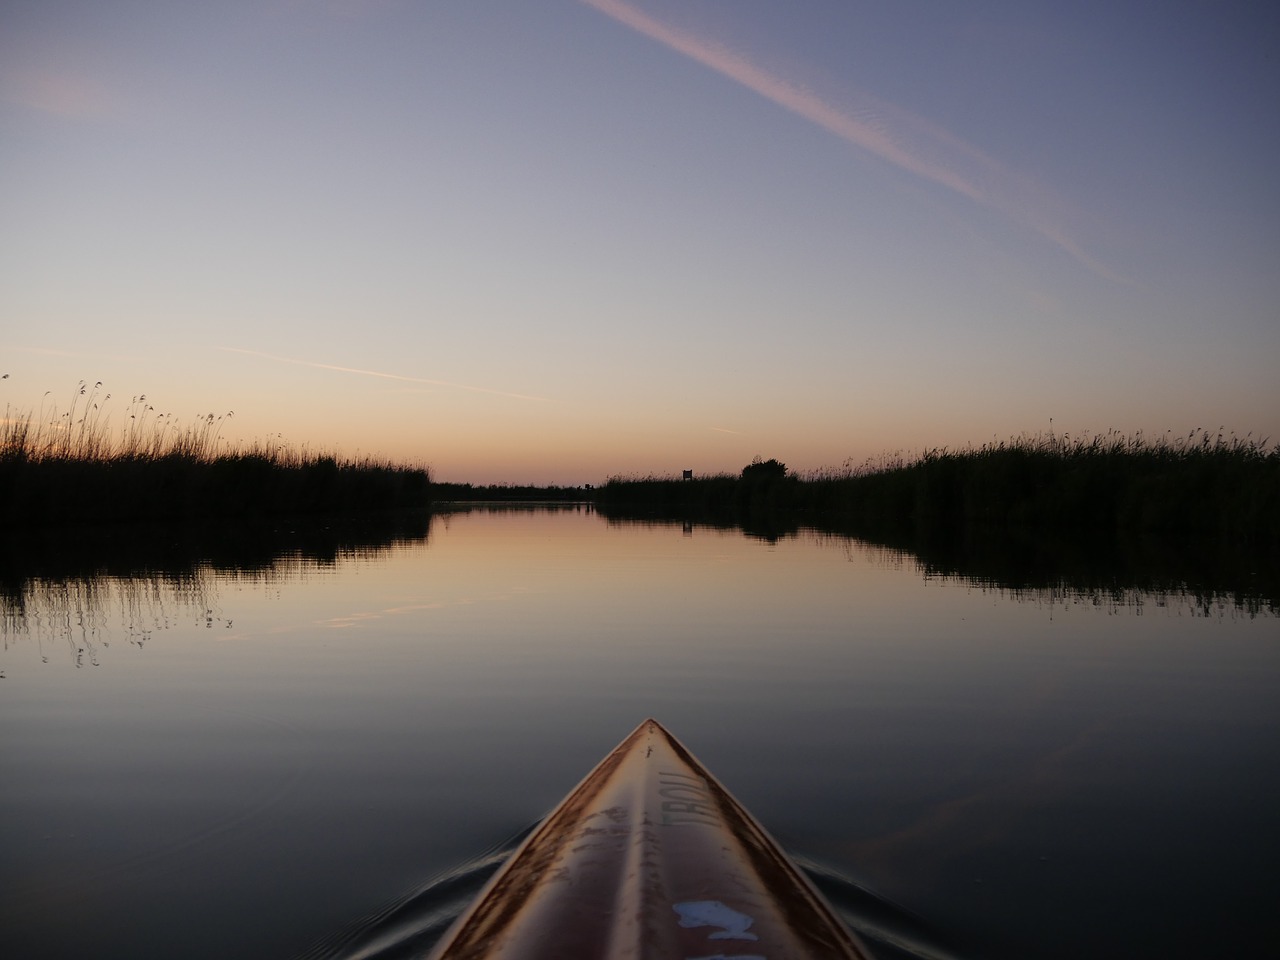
x: 908, y: 142
x: 382, y: 375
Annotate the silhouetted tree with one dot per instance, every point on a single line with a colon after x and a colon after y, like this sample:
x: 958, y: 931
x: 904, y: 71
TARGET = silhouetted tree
x: 762, y: 471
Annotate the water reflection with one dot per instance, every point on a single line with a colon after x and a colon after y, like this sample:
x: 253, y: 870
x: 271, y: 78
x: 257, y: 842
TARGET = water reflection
x: 73, y: 593
x: 322, y: 719
x: 76, y: 589
x: 1206, y: 577
x: 78, y: 615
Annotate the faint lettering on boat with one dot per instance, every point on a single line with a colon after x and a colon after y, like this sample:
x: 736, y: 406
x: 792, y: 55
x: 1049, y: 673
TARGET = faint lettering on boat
x: 686, y: 800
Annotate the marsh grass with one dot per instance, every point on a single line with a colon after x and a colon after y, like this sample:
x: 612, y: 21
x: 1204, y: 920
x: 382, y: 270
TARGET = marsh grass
x: 1202, y: 484
x: 1106, y: 518
x: 507, y: 493
x: 74, y: 465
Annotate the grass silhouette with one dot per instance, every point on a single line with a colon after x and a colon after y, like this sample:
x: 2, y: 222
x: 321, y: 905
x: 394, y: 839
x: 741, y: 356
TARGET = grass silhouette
x: 1204, y: 483
x: 72, y: 465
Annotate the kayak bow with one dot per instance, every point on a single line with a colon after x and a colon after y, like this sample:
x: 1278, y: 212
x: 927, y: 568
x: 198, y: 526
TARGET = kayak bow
x: 649, y: 857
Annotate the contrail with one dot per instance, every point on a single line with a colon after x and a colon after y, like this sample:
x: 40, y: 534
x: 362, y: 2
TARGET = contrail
x: 384, y: 376
x: 906, y: 141
x: 867, y: 133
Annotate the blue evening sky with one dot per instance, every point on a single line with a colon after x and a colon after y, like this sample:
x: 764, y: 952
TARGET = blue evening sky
x: 554, y: 240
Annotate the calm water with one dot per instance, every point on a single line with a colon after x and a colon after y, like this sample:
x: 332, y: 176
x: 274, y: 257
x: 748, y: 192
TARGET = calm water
x: 259, y: 761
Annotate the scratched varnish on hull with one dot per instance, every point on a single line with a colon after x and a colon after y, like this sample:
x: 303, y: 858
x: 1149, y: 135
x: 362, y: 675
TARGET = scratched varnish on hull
x: 649, y: 857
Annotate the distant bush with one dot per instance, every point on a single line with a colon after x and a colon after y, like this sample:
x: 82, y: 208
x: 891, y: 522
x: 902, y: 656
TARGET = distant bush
x: 763, y: 471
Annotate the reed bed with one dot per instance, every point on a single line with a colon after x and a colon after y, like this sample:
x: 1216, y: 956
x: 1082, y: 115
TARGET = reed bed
x: 508, y: 493
x: 73, y: 465
x: 1203, y: 484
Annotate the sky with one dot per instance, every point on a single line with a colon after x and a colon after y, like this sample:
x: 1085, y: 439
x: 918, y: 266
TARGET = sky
x: 552, y: 242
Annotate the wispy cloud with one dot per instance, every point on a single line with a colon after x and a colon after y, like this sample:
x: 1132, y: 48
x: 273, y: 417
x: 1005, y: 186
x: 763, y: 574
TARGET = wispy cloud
x: 736, y: 433
x: 384, y: 376
x: 908, y: 142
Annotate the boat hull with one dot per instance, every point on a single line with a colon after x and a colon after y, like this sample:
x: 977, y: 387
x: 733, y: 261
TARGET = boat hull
x: 649, y: 857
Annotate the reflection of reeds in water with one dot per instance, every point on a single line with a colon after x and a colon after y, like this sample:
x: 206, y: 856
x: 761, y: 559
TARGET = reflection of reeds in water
x: 74, y: 465
x: 91, y: 586
x: 83, y: 615
x: 1092, y: 575
x: 1177, y: 598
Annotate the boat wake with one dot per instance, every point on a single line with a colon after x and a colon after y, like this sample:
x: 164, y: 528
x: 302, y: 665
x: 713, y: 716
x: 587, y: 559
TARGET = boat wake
x: 406, y: 928
x: 891, y: 930
x: 410, y: 925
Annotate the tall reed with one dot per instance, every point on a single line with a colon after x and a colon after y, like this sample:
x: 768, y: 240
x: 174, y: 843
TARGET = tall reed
x: 71, y: 465
x: 1203, y: 483
x: 83, y: 431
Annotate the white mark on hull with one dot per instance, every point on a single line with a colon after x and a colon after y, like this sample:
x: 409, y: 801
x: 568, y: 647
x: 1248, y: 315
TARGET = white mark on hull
x: 712, y: 913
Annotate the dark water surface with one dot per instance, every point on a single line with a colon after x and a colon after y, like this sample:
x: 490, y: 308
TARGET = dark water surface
x: 324, y: 753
